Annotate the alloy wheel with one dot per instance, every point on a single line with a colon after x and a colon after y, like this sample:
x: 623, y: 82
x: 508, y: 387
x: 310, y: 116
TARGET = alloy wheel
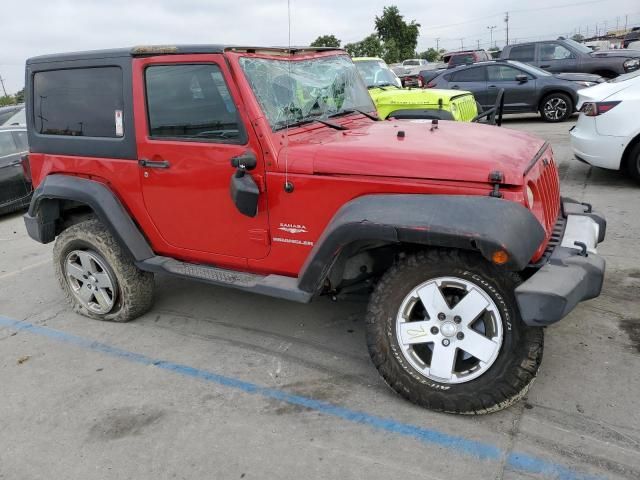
x: 555, y: 108
x: 91, y: 282
x: 449, y: 329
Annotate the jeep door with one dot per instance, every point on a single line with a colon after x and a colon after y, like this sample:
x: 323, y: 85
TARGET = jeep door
x: 555, y: 57
x: 471, y: 79
x: 189, y: 127
x: 13, y: 185
x: 519, y: 94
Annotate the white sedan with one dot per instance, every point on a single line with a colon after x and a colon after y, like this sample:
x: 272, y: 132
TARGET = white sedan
x: 607, y: 134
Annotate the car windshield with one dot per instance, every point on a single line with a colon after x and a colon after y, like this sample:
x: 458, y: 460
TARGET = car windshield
x: 293, y: 92
x: 376, y: 73
x: 531, y: 69
x: 579, y: 46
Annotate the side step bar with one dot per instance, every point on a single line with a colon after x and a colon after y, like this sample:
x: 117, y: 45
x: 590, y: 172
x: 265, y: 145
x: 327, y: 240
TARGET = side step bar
x: 271, y: 285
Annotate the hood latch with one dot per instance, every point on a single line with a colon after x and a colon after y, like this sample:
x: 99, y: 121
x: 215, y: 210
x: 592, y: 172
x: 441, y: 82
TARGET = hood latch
x: 496, y: 178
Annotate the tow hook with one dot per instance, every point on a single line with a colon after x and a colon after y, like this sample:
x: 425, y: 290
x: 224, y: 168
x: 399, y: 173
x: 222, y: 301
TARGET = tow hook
x: 583, y: 248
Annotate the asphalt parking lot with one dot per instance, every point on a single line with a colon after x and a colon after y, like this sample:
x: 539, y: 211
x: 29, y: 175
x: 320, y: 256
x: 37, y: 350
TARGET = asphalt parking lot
x: 215, y: 383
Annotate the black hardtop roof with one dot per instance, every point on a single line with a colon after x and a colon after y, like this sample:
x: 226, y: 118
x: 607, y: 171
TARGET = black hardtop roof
x: 149, y: 50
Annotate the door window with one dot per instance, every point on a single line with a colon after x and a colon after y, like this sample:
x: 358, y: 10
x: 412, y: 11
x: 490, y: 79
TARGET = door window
x: 503, y: 73
x: 469, y: 75
x: 7, y: 145
x: 554, y: 51
x: 191, y: 102
x: 524, y: 53
x: 21, y: 140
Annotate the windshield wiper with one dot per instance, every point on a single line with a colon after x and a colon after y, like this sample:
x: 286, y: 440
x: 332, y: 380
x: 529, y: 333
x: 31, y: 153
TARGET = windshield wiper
x: 311, y: 120
x: 355, y: 110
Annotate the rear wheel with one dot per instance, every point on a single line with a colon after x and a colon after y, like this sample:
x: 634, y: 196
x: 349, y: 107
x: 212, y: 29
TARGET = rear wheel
x: 98, y: 278
x: 633, y: 162
x: 444, y: 332
x: 556, y: 107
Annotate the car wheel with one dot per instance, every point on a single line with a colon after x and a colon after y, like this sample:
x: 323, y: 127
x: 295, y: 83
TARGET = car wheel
x: 633, y: 162
x: 556, y: 107
x: 444, y: 331
x: 98, y: 278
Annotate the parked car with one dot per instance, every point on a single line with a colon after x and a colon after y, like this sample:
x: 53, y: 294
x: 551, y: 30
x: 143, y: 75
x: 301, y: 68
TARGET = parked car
x: 15, y: 187
x: 526, y: 88
x: 415, y: 62
x: 9, y: 111
x: 393, y: 101
x: 607, y: 133
x: 632, y: 36
x: 291, y: 191
x: 17, y: 118
x: 465, y: 57
x: 564, y: 55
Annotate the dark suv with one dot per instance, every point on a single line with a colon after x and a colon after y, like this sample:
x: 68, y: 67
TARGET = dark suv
x: 264, y: 170
x: 564, y: 55
x: 526, y: 88
x: 465, y: 57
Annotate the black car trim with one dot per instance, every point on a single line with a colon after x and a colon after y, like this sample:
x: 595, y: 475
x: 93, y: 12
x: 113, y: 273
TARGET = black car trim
x: 483, y: 224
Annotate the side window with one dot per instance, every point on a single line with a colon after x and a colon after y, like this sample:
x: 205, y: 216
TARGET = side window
x: 503, y: 73
x: 21, y: 141
x: 554, y: 51
x: 191, y: 102
x: 7, y: 145
x: 85, y: 102
x: 525, y: 53
x: 469, y: 75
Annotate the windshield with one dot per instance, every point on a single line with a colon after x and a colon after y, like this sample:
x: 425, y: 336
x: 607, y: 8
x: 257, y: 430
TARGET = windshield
x: 578, y: 46
x: 292, y: 92
x: 376, y: 73
x: 531, y: 69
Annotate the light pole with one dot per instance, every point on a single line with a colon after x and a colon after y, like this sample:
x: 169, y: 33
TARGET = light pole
x: 491, y: 34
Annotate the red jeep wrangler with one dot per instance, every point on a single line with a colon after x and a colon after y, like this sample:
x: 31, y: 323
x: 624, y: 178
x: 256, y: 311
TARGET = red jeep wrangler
x: 265, y: 170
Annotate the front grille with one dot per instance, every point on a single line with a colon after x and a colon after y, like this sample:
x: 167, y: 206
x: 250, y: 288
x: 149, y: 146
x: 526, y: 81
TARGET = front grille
x: 548, y: 188
x: 554, y: 240
x: 466, y: 105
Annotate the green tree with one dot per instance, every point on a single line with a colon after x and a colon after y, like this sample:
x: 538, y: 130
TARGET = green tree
x: 326, y: 41
x: 19, y: 96
x: 577, y: 37
x: 400, y: 38
x: 367, y: 47
x: 7, y: 100
x: 431, y: 54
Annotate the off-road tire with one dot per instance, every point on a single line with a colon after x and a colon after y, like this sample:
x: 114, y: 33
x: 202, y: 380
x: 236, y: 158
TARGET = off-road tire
x: 135, y: 287
x: 509, y: 377
x: 633, y: 162
x: 560, y: 96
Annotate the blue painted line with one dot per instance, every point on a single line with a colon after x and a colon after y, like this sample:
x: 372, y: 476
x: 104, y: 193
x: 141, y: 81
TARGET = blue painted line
x: 484, y: 451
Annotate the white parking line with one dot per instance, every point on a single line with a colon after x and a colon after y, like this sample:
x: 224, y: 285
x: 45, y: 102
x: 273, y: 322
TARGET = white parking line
x: 24, y: 269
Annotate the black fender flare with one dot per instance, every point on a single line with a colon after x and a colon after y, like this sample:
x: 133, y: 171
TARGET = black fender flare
x: 44, y: 211
x: 483, y: 224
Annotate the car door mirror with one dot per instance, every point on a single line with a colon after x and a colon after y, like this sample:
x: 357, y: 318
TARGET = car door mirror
x: 244, y: 190
x: 522, y: 78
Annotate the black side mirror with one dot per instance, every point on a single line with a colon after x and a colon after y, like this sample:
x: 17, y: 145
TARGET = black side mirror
x: 522, y: 78
x: 244, y: 191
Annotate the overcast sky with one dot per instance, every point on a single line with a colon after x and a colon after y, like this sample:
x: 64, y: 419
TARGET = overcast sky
x: 35, y: 27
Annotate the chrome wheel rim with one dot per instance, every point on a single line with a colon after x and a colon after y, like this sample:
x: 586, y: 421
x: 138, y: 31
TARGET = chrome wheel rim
x: 555, y: 108
x: 90, y: 281
x: 449, y: 330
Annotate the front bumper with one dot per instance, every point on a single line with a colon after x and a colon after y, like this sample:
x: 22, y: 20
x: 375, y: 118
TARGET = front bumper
x: 573, y: 273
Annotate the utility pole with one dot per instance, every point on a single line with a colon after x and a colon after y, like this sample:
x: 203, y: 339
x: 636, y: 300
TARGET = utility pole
x: 491, y: 34
x: 626, y: 17
x: 3, y: 89
x: 478, y: 44
x: 617, y: 24
x: 438, y: 44
x: 462, y: 44
x: 506, y: 20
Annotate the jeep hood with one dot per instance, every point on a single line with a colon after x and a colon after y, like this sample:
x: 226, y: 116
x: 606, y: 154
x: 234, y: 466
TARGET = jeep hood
x: 454, y: 151
x: 413, y: 96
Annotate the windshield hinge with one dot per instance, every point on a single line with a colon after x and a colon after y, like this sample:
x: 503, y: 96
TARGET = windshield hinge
x: 496, y: 178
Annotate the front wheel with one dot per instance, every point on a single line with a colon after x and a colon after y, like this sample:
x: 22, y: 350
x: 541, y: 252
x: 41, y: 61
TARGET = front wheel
x: 444, y: 331
x: 556, y: 107
x: 633, y: 162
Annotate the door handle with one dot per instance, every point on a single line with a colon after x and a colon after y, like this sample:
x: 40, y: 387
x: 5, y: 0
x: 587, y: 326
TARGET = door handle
x: 492, y: 86
x: 143, y: 162
x: 545, y: 66
x: 455, y: 87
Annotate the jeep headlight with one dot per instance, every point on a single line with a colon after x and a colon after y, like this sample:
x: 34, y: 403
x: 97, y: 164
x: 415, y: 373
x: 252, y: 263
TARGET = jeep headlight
x: 631, y: 64
x: 454, y: 109
x: 530, y: 197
